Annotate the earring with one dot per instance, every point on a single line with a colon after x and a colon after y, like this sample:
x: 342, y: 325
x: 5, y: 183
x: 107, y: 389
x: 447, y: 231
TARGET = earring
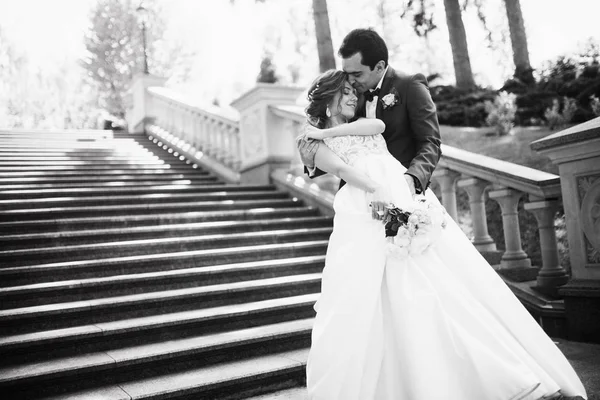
x: 328, y: 113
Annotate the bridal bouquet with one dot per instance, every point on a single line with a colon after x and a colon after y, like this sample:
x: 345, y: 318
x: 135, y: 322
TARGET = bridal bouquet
x: 412, y: 230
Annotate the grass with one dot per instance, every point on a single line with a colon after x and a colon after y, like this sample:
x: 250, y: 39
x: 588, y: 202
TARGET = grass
x: 513, y: 148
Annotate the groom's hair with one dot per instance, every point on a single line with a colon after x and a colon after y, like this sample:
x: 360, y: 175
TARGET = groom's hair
x: 368, y: 43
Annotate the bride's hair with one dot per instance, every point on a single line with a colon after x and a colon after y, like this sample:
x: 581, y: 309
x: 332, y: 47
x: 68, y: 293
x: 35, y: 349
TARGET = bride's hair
x: 320, y: 94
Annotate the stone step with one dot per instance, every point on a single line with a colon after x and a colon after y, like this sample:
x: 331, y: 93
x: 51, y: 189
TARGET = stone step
x: 152, y: 219
x: 296, y: 393
x: 160, y: 328
x: 130, y: 362
x: 87, y: 167
x: 143, y: 163
x: 157, y: 207
x: 109, y: 182
x: 94, y: 311
x: 144, y: 173
x: 83, y: 269
x: 59, y: 158
x: 62, y: 238
x: 102, y: 179
x: 93, y: 288
x: 231, y: 380
x: 46, y: 196
x: 134, y: 177
x: 76, y: 153
x: 111, y: 249
x: 143, y: 195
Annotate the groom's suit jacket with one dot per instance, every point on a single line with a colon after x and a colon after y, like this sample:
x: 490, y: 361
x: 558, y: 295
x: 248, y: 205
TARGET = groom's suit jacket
x: 412, y: 132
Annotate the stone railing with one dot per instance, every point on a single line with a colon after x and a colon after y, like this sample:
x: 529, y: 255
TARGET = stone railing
x: 258, y: 146
x: 209, y: 137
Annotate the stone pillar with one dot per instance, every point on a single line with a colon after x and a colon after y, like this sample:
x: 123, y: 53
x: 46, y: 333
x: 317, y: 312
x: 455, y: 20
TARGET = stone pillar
x: 514, y: 256
x: 576, y: 151
x: 475, y: 188
x: 447, y: 181
x: 264, y: 146
x: 552, y: 274
x: 137, y: 115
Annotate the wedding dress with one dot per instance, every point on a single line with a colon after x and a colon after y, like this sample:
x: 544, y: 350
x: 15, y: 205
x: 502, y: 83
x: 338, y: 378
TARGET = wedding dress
x: 436, y: 326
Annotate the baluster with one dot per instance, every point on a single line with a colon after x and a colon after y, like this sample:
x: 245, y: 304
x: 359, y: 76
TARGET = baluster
x: 514, y: 256
x: 475, y: 189
x: 237, y: 157
x: 552, y: 274
x: 447, y: 180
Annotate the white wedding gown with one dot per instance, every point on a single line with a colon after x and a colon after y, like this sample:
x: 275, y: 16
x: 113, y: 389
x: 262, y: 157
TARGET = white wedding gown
x: 438, y: 326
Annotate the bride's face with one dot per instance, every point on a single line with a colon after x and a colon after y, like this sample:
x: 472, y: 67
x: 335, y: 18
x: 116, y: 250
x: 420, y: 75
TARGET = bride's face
x: 344, y: 102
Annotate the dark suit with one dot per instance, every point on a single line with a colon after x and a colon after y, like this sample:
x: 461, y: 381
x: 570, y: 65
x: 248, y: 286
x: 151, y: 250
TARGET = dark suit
x: 412, y: 131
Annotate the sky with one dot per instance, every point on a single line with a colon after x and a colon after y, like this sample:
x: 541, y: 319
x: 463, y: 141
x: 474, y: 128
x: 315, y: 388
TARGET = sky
x: 227, y: 43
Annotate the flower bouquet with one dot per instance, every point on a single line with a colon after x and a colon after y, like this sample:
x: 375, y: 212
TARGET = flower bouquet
x: 411, y: 231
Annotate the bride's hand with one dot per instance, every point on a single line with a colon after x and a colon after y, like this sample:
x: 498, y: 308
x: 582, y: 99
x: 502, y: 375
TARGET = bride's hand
x: 313, y: 133
x: 380, y: 200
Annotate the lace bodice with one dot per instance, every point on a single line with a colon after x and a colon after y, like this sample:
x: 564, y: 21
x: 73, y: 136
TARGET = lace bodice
x: 350, y: 148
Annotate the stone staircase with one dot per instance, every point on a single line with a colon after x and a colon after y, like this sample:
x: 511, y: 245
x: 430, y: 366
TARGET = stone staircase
x: 128, y: 273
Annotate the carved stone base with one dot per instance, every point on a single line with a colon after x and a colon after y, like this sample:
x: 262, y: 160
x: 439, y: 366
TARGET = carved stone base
x: 519, y: 274
x: 582, y: 308
x: 492, y: 257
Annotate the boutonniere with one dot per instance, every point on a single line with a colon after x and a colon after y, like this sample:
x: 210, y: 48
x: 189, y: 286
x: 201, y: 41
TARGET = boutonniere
x: 390, y: 99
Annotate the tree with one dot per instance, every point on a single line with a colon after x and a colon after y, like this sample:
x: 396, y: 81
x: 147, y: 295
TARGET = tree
x: 267, y: 71
x: 115, y: 51
x: 518, y: 38
x: 323, y: 34
x: 458, y: 42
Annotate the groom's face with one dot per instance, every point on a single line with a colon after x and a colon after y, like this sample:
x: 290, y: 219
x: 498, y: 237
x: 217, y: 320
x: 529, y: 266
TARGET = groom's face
x: 361, y: 76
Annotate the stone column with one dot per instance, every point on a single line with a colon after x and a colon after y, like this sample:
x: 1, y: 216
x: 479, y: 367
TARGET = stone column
x: 138, y: 114
x: 447, y: 181
x: 475, y: 188
x: 576, y: 151
x: 514, y: 256
x: 263, y: 142
x: 552, y: 274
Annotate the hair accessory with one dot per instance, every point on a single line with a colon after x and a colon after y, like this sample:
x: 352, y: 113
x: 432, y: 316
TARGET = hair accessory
x: 312, y: 92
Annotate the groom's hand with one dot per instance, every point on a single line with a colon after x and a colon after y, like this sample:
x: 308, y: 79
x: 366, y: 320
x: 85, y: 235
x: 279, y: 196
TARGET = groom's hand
x: 411, y: 184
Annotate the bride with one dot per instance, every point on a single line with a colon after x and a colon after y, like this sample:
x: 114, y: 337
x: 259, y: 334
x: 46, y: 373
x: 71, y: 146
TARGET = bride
x: 434, y: 325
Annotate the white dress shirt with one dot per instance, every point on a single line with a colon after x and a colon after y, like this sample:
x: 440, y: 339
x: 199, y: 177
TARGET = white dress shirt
x: 371, y: 106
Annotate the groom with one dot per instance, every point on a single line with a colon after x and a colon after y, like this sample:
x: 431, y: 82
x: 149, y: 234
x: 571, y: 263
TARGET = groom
x: 401, y: 101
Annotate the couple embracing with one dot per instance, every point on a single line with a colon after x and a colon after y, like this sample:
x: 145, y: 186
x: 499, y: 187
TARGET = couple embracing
x: 419, y: 314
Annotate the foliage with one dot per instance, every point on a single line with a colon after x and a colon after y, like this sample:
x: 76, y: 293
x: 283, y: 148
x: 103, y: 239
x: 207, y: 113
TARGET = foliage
x: 555, y: 117
x: 460, y: 107
x: 501, y: 113
x: 576, y: 77
x: 42, y: 99
x: 267, y: 71
x: 115, y: 49
x: 421, y: 15
x: 595, y: 105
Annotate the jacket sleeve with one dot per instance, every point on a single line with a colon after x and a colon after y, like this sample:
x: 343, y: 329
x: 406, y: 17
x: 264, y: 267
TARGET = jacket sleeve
x: 426, y: 130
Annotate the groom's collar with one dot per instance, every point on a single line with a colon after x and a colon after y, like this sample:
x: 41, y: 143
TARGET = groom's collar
x: 382, y: 77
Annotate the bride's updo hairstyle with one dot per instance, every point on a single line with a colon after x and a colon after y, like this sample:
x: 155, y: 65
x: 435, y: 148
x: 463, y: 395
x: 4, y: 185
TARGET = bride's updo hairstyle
x: 320, y: 95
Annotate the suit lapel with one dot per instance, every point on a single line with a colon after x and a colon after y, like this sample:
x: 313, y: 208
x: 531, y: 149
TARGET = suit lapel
x: 386, y: 86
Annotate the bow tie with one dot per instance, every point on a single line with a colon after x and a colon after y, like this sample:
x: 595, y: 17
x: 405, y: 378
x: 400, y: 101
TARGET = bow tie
x: 369, y: 94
